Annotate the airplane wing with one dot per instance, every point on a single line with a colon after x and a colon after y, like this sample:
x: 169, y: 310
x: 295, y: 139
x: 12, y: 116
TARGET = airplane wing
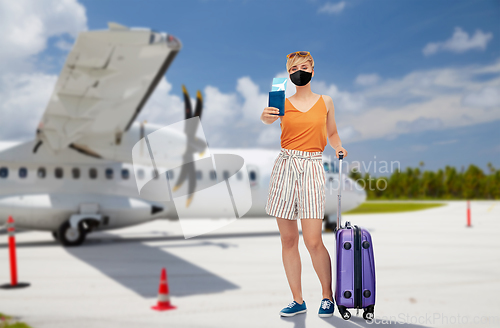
x: 106, y: 80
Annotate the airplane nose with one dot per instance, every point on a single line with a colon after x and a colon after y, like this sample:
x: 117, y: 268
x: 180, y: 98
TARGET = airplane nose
x: 356, y: 190
x: 156, y: 209
x: 360, y: 192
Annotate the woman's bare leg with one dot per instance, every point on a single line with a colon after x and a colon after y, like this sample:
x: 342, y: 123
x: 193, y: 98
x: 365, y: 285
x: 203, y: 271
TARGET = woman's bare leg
x: 313, y: 239
x: 289, y: 233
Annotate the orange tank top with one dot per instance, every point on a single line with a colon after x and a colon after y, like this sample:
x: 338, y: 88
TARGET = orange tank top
x: 304, y: 131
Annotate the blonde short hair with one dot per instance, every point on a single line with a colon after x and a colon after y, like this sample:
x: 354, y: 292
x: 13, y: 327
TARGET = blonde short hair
x: 297, y: 60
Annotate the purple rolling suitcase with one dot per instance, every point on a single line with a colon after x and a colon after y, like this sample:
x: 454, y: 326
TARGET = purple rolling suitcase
x: 355, y: 283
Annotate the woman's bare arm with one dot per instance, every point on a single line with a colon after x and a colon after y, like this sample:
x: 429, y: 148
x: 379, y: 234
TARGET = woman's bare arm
x: 331, y: 128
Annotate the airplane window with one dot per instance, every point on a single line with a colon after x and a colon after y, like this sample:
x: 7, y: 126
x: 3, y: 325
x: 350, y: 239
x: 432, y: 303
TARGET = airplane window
x: 125, y: 174
x: 41, y: 172
x: 326, y: 166
x: 155, y: 174
x: 75, y: 172
x: 4, y: 172
x: 58, y: 172
x: 225, y: 174
x: 199, y: 175
x: 93, y: 173
x: 170, y: 174
x: 140, y: 174
x: 239, y: 175
x: 23, y: 172
x: 252, y: 175
x: 213, y: 175
x: 109, y: 173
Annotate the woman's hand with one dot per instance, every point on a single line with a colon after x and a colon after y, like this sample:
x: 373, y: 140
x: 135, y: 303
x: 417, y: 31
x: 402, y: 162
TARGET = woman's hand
x: 267, y: 116
x: 342, y: 149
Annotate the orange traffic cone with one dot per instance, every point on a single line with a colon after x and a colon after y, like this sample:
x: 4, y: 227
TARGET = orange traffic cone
x: 163, y: 297
x: 12, y: 254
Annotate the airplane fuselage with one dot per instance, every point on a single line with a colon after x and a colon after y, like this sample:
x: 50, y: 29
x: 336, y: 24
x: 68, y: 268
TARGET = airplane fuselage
x: 42, y: 190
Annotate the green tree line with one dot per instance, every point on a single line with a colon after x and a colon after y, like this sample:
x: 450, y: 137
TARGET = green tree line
x: 416, y: 183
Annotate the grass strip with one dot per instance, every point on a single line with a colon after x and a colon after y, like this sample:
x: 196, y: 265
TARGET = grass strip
x: 6, y: 321
x: 391, y: 207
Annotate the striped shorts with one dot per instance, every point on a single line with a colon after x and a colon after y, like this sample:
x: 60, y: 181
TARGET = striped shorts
x: 297, y: 185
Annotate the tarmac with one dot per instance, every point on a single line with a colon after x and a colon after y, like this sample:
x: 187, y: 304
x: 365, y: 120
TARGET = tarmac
x: 431, y: 271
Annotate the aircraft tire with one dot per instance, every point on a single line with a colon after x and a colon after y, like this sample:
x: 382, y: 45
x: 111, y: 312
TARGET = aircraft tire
x: 329, y: 226
x: 69, y: 236
x: 54, y: 234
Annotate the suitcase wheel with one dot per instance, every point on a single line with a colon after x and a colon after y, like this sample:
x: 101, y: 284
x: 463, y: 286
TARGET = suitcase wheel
x: 346, y: 315
x: 368, y: 313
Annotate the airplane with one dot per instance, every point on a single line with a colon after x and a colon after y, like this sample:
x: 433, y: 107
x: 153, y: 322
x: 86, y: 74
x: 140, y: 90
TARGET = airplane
x: 77, y: 175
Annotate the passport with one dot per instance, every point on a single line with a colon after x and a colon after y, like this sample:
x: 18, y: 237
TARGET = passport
x: 277, y: 99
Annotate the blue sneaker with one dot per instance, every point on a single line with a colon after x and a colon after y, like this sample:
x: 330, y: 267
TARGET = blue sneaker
x: 327, y: 307
x: 293, y: 309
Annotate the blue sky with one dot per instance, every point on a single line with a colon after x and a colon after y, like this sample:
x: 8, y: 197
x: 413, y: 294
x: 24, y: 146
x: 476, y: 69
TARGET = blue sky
x: 411, y: 80
x: 224, y: 40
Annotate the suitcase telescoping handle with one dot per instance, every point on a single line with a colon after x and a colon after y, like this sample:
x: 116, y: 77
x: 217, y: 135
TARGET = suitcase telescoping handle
x: 341, y: 156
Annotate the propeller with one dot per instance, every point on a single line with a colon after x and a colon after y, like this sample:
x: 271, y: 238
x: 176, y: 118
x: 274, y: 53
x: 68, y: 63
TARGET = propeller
x: 194, y: 144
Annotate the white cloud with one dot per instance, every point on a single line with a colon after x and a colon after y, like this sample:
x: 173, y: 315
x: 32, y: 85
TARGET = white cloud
x: 417, y: 101
x: 442, y: 112
x: 419, y: 148
x: 332, y: 8
x: 429, y: 84
x: 445, y: 142
x: 486, y: 97
x: 459, y: 42
x: 419, y: 124
x: 428, y: 99
x: 219, y: 108
x: 269, y: 135
x: 348, y: 132
x: 23, y: 100
x: 64, y: 45
x: 347, y: 101
x: 163, y: 107
x: 367, y: 79
x: 26, y: 26
x: 254, y: 102
x: 228, y: 119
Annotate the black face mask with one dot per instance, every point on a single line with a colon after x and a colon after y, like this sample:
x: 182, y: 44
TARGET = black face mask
x: 300, y: 77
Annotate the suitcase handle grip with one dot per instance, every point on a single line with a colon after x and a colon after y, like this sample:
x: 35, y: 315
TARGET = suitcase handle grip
x: 339, y: 221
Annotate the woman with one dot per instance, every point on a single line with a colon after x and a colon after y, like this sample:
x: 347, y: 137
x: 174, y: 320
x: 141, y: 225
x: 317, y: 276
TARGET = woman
x: 297, y: 185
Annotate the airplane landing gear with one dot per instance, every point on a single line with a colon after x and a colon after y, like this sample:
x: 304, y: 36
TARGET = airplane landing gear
x: 54, y: 234
x: 69, y: 236
x: 329, y: 226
